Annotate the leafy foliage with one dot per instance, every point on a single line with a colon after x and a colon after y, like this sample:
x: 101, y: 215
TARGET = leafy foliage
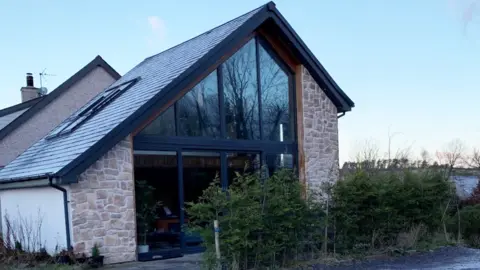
x: 270, y: 223
x: 147, y: 207
x: 469, y: 224
x: 372, y: 209
x: 95, y: 250
x: 263, y: 223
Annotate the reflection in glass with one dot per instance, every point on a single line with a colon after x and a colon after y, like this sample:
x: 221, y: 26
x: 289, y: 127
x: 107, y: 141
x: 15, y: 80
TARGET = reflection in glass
x: 275, y: 99
x: 198, y: 110
x: 242, y: 163
x: 241, y: 94
x: 163, y: 125
x: 156, y: 174
x: 276, y: 162
x: 199, y: 171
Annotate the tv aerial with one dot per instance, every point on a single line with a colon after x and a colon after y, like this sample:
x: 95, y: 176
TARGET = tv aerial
x: 43, y: 76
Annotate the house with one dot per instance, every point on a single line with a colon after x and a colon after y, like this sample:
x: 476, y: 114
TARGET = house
x: 24, y: 124
x: 248, y: 92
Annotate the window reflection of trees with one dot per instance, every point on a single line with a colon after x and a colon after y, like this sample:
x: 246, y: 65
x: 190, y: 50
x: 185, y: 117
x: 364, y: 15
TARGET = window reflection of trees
x: 275, y: 98
x: 241, y: 94
x: 198, y: 111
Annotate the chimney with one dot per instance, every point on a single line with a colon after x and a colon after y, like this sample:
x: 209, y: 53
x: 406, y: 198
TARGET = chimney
x: 29, y: 92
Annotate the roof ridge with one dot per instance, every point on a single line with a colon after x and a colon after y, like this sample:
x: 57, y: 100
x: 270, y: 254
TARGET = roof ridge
x: 210, y: 30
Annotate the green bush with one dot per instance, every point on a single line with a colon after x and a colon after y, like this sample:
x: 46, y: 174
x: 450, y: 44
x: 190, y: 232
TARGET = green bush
x: 469, y: 224
x: 269, y: 223
x: 372, y: 209
x: 262, y: 225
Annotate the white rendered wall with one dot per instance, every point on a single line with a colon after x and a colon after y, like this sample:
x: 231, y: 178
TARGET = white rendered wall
x: 41, y: 208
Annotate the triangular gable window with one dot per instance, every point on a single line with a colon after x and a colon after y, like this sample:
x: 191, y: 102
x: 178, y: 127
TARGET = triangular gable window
x: 250, y: 95
x: 90, y: 109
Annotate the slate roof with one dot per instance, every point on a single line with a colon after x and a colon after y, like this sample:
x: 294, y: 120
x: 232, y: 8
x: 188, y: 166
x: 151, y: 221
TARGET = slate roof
x: 160, y: 78
x: 50, y: 156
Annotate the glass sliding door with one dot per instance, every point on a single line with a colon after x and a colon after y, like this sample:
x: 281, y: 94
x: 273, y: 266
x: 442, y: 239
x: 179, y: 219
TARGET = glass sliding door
x: 274, y: 162
x: 239, y: 162
x: 157, y: 203
x: 200, y: 168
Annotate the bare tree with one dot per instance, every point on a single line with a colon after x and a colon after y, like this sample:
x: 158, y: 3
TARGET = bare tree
x: 472, y: 160
x: 452, y: 155
x: 367, y: 155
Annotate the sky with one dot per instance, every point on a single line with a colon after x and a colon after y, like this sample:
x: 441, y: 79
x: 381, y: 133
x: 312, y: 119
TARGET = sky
x: 411, y: 67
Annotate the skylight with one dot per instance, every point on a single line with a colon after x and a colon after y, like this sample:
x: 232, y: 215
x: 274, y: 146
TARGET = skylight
x: 90, y: 109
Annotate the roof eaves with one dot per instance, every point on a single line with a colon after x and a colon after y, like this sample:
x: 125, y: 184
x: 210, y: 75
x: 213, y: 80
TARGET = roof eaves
x: 45, y: 100
x: 29, y: 178
x: 70, y: 172
x: 343, y: 102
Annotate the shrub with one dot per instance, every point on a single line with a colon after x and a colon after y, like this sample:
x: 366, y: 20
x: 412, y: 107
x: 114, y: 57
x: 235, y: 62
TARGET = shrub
x: 270, y: 223
x: 469, y: 224
x: 263, y: 223
x: 372, y: 209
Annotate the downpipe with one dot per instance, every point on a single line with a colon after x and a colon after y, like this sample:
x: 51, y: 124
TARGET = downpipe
x: 65, y: 209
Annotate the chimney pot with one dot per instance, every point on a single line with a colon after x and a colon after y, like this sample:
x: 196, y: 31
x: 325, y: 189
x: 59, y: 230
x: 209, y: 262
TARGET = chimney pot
x: 29, y: 91
x: 29, y: 80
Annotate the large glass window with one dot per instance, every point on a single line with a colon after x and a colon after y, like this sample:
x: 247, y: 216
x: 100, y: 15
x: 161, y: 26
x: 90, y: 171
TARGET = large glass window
x: 163, y: 125
x: 253, y: 88
x: 241, y: 163
x: 276, y: 162
x: 198, y: 111
x: 241, y: 94
x: 275, y: 99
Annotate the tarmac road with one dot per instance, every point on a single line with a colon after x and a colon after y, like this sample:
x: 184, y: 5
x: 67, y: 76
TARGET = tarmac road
x: 451, y: 258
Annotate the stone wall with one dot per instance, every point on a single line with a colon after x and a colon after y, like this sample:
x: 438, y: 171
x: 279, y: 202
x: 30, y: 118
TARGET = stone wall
x: 103, y: 206
x: 320, y: 134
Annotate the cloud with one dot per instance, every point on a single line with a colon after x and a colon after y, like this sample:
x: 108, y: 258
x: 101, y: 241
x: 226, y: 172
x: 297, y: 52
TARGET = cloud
x: 158, y: 31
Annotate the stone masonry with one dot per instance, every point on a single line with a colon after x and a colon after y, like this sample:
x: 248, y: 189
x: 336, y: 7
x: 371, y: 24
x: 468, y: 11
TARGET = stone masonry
x: 320, y: 134
x: 103, y: 206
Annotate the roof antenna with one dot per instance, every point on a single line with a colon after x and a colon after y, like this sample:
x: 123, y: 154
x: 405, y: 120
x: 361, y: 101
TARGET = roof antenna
x: 43, y: 75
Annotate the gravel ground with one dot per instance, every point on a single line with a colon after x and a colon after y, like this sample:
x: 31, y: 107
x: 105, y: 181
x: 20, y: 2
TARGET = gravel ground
x: 448, y: 258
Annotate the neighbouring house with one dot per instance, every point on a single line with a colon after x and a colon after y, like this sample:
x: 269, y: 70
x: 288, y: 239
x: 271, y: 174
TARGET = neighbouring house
x: 243, y: 96
x: 24, y: 124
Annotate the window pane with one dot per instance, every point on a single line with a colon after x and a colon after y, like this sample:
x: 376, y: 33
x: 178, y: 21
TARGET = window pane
x: 156, y: 185
x: 276, y: 162
x: 241, y: 94
x: 164, y: 125
x: 199, y: 171
x: 198, y: 111
x: 241, y: 163
x: 275, y: 99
